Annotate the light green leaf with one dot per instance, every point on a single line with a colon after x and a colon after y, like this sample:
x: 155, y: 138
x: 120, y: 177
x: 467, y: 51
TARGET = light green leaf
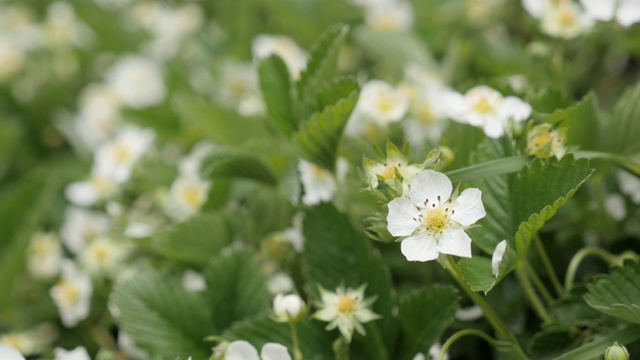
x: 319, y: 136
x: 622, y: 131
x: 275, y: 85
x: 617, y: 294
x: 236, y: 288
x: 314, y: 341
x: 321, y: 68
x: 229, y: 164
x: 424, y: 315
x: 335, y: 253
x: 162, y: 317
x: 332, y: 92
x: 194, y: 241
x: 504, y: 166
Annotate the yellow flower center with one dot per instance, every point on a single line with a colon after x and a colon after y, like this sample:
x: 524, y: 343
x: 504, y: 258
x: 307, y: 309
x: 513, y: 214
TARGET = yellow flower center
x: 193, y: 196
x: 237, y: 87
x: 385, y: 102
x: 100, y: 254
x: 43, y: 246
x: 121, y: 153
x: 541, y: 140
x: 566, y: 18
x: 346, y: 305
x: 70, y: 294
x: 425, y: 114
x: 436, y: 220
x: 389, y: 173
x: 482, y: 106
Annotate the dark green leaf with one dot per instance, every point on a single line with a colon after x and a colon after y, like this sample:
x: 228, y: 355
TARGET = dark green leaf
x: 623, y: 129
x: 275, y: 85
x: 227, y: 164
x: 617, y: 294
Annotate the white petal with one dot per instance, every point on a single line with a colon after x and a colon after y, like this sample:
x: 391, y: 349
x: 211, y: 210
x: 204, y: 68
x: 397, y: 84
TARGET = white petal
x: 514, y: 108
x: 454, y: 106
x: 430, y: 185
x: 468, y: 208
x: 402, y: 219
x: 82, y: 193
x: 273, y: 351
x: 602, y: 10
x: 241, y: 350
x: 534, y: 7
x: 496, y: 258
x: 455, y: 242
x: 470, y: 313
x: 10, y: 353
x: 628, y: 12
x: 419, y: 248
x: 494, y: 128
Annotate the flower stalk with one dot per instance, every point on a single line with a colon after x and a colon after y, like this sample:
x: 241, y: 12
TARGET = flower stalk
x: 596, y: 251
x: 443, y: 351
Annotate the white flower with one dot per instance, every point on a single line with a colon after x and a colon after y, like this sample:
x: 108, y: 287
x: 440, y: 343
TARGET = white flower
x: 389, y: 16
x: 293, y: 56
x: 496, y: 258
x: 394, y: 162
x: 128, y: 347
x: 280, y: 283
x: 118, y: 157
x: 380, y: 102
x: 138, y: 81
x: 626, y: 13
x: 559, y: 18
x: 289, y: 308
x: 190, y: 164
x: 345, y: 309
x: 17, y: 343
x: 11, y: 57
x: 72, y: 294
x: 239, y: 86
x: 82, y: 226
x: 485, y: 107
x: 426, y: 115
x: 471, y: 313
x: 89, y: 192
x: 629, y: 185
x: 45, y: 254
x: 543, y: 141
x: 61, y: 27
x: 186, y: 197
x: 193, y: 281
x: 434, y: 222
x: 319, y: 184
x: 98, y: 115
x: 242, y: 350
x: 79, y: 353
x: 434, y: 351
x: 615, y: 206
x: 10, y: 353
x: 102, y: 256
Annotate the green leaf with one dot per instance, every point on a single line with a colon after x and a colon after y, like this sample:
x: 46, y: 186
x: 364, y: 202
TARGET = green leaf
x: 322, y: 65
x: 332, y: 92
x: 596, y: 348
x: 508, y: 165
x: 314, y: 341
x: 194, y: 241
x: 319, y: 136
x: 335, y: 253
x: 229, y: 164
x: 582, y: 121
x: 617, y: 294
x: 236, y: 288
x: 424, y: 315
x: 162, y: 317
x: 623, y: 129
x: 547, y: 100
x: 275, y: 85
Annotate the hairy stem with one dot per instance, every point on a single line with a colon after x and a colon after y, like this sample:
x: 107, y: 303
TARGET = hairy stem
x: 547, y: 263
x: 531, y: 294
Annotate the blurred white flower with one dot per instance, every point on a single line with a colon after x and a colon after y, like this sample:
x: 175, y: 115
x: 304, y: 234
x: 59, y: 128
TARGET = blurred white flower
x: 390, y: 16
x: 79, y: 353
x: 102, y: 257
x: 137, y: 81
x: 239, y: 86
x: 559, y: 18
x: 72, y: 294
x: 470, y: 313
x: 10, y: 353
x: 82, y: 226
x: 186, y: 196
x: 319, y: 184
x: 61, y: 27
x: 293, y: 56
x: 12, y: 58
x: 626, y: 12
x: 434, y: 222
x: 346, y: 309
x: 280, y: 283
x: 129, y: 347
x: 629, y: 185
x: 89, y: 192
x: 117, y: 158
x: 380, y: 103
x: 98, y: 116
x: 193, y: 281
x: 615, y: 206
x: 496, y: 257
x: 434, y: 351
x: 111, y: 4
x: 242, y: 350
x: 427, y: 115
x: 485, y: 107
x: 18, y: 24
x: 44, y: 255
x: 190, y: 164
x: 289, y: 308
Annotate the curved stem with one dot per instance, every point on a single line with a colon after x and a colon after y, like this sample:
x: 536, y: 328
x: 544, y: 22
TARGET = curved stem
x: 489, y: 313
x: 596, y: 251
x: 462, y: 333
x: 531, y: 294
x: 546, y: 295
x: 547, y: 263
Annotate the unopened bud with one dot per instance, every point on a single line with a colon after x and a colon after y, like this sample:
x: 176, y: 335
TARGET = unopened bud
x: 616, y: 352
x: 289, y: 308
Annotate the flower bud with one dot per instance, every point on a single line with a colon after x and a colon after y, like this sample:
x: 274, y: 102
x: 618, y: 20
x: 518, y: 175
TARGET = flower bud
x: 616, y: 352
x: 289, y: 308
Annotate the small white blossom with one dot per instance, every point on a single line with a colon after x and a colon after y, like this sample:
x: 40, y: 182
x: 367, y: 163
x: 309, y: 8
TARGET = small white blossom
x: 434, y: 352
x: 138, y: 81
x: 128, y: 347
x: 391, y: 16
x: 98, y: 116
x: 82, y: 226
x: 118, y: 157
x: 346, y: 310
x: 186, y: 197
x: 61, y: 27
x: 10, y: 353
x: 629, y: 185
x: 88, y: 192
x: 496, y: 258
x: 615, y: 206
x: 79, y: 353
x: 242, y: 350
x: 379, y: 103
x: 17, y: 343
x: 559, y: 18
x: 12, y: 58
x: 293, y: 56
x: 434, y: 222
x: 44, y: 256
x: 485, y: 107
x: 103, y: 257
x: 394, y: 162
x: 239, y: 86
x: 72, y: 294
x: 471, y: 313
x: 289, y: 308
x: 627, y: 12
x: 193, y: 281
x: 280, y: 283
x: 319, y: 184
x: 427, y: 115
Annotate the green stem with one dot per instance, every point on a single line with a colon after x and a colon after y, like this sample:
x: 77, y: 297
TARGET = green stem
x: 462, y: 333
x: 341, y: 348
x: 546, y: 295
x: 596, y: 251
x: 547, y: 263
x: 531, y: 294
x: 297, y: 355
x: 488, y: 311
x: 619, y: 160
